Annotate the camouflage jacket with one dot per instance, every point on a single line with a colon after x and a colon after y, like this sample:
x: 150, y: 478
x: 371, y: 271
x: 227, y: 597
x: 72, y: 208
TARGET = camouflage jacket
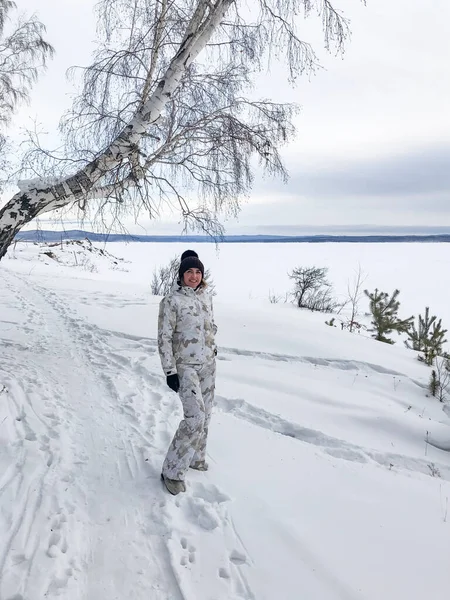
x: 186, y: 328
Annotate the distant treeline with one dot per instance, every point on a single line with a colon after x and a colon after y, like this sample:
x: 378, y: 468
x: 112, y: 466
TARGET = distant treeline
x: 76, y: 234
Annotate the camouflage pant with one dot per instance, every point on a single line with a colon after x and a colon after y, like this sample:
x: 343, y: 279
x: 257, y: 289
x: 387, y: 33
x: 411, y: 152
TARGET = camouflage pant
x: 197, y: 383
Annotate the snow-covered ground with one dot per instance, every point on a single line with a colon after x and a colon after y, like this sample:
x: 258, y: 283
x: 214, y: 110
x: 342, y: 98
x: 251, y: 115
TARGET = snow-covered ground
x: 330, y: 465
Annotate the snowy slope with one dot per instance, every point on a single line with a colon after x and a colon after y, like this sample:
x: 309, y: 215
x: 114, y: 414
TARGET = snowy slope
x: 330, y: 467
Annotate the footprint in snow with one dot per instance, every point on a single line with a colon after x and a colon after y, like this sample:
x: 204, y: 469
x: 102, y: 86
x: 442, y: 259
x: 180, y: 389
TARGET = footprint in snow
x: 201, y: 514
x: 57, y: 543
x: 203, y: 507
x: 237, y: 558
x: 189, y: 557
x: 209, y: 493
x: 58, y: 583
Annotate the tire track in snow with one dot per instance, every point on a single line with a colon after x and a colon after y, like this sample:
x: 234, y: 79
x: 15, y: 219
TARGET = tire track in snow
x: 335, y: 447
x: 334, y: 363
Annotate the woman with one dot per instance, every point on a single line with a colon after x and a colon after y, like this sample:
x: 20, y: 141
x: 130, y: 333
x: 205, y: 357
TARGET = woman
x: 186, y: 344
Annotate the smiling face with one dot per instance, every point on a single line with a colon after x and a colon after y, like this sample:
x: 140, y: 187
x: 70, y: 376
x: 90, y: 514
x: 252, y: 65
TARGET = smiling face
x: 192, y: 277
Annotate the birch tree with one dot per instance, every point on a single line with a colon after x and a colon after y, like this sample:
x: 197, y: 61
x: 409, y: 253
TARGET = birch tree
x: 23, y: 55
x: 165, y: 112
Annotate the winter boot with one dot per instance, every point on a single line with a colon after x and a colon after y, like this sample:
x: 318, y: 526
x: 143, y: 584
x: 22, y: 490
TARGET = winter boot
x: 174, y: 486
x: 200, y: 465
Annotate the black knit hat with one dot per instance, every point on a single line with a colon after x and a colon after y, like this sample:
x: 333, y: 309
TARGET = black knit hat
x: 188, y: 253
x: 191, y: 262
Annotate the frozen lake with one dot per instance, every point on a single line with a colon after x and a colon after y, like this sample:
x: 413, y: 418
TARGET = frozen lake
x: 252, y: 271
x: 421, y: 271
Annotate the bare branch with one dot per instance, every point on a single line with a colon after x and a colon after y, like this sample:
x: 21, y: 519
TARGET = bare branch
x: 355, y: 292
x: 155, y: 126
x: 23, y: 54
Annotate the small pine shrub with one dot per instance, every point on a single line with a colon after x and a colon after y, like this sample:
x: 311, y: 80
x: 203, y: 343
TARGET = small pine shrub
x: 428, y: 337
x: 385, y: 320
x: 433, y: 384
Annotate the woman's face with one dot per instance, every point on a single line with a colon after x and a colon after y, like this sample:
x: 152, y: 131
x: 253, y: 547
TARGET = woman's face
x: 192, y: 278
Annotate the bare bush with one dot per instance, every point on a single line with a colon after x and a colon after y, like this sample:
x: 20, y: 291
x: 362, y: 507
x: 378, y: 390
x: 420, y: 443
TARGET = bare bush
x: 354, y: 294
x: 313, y: 290
x: 164, y: 277
x: 277, y: 298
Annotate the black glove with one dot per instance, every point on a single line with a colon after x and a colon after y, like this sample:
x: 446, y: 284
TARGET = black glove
x: 173, y: 382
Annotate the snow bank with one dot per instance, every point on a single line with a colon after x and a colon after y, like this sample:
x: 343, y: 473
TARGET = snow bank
x: 330, y: 466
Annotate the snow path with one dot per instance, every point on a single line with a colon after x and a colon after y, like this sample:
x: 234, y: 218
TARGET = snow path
x: 90, y: 519
x: 108, y: 527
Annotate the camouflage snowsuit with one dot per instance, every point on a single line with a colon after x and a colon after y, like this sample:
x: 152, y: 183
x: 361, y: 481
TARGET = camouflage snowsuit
x: 186, y: 331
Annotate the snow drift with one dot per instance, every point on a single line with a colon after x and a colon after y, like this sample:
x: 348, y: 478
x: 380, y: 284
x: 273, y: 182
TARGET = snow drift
x: 330, y: 466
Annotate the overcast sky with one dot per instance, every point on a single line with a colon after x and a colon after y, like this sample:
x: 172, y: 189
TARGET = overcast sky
x: 373, y: 144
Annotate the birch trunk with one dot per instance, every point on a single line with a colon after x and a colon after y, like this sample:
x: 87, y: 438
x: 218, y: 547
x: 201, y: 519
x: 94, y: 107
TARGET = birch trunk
x: 38, y: 197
